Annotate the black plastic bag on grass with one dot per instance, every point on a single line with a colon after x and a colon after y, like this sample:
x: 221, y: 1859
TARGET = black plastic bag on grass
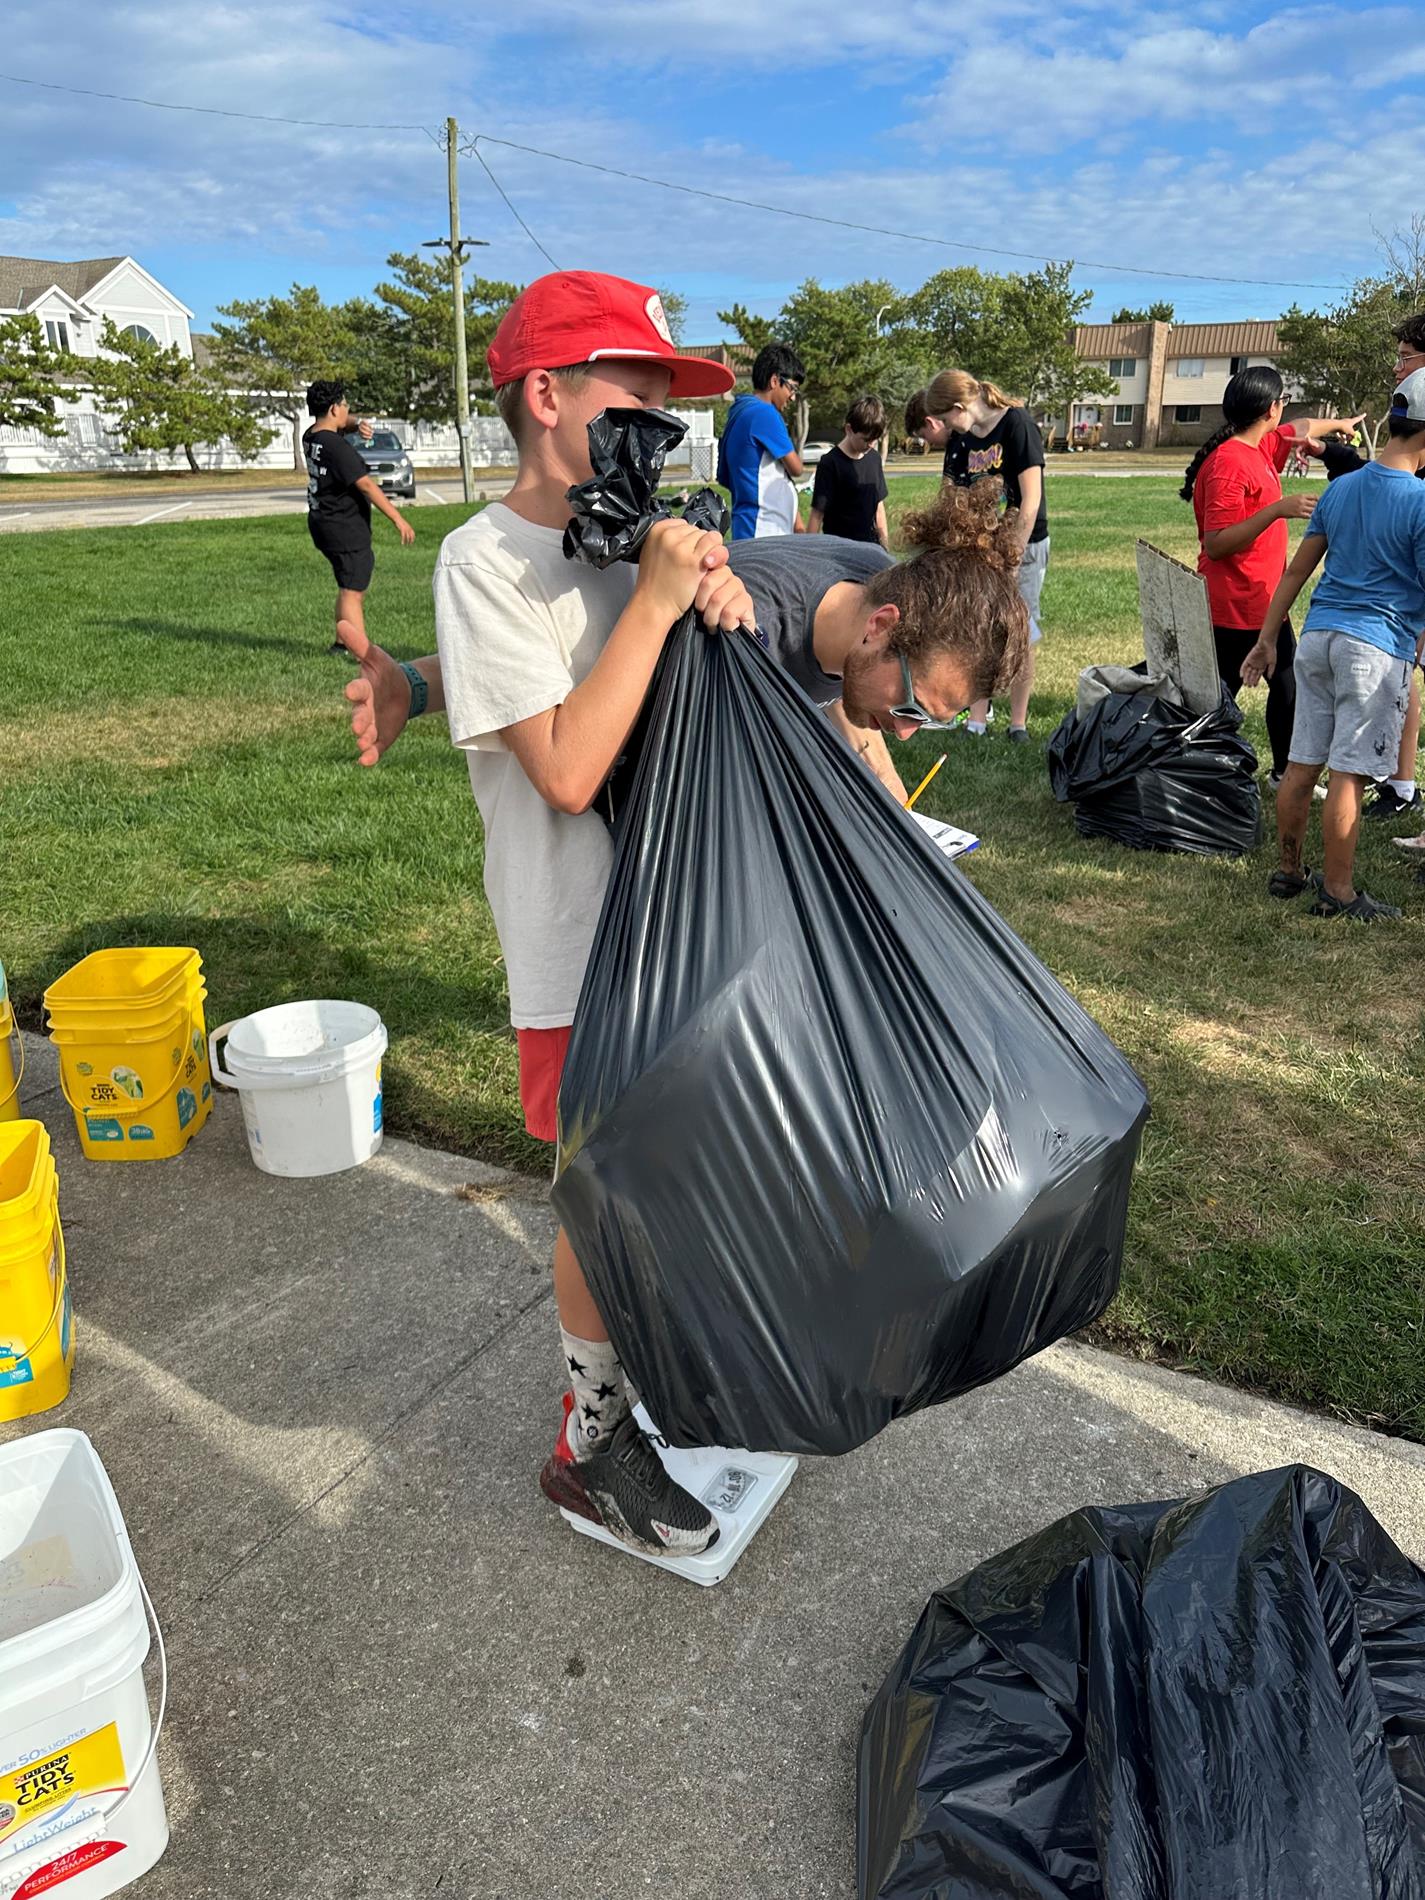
x: 1217, y: 1699
x: 833, y: 1144
x: 1144, y: 771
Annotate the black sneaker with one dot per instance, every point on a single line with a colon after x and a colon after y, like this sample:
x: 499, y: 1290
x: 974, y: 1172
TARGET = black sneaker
x: 625, y: 1488
x: 1019, y: 735
x: 1293, y: 883
x: 1362, y: 909
x: 1388, y: 803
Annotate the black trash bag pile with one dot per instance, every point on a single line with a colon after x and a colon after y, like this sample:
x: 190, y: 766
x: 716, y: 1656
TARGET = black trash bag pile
x: 1143, y: 770
x: 833, y: 1144
x: 1217, y: 1699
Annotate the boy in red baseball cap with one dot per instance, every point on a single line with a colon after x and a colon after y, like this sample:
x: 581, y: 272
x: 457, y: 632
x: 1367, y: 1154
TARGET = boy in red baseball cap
x: 545, y: 664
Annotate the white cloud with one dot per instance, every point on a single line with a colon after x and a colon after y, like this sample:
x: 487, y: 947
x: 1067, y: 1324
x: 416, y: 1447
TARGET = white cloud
x: 1300, y: 67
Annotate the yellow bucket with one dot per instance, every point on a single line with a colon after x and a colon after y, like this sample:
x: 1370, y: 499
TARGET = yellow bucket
x: 12, y: 1060
x: 36, y: 1317
x: 129, y: 1029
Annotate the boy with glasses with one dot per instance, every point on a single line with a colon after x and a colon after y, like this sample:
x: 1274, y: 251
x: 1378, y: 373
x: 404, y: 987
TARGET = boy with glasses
x: 757, y: 460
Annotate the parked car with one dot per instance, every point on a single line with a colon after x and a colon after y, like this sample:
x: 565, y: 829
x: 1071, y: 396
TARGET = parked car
x: 812, y: 452
x: 388, y: 462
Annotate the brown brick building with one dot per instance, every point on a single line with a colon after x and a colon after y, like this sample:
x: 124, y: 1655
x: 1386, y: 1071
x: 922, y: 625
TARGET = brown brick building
x: 1171, y: 377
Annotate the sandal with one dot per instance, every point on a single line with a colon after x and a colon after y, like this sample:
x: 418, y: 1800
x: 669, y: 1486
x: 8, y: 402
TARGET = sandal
x: 1293, y: 883
x: 1362, y: 909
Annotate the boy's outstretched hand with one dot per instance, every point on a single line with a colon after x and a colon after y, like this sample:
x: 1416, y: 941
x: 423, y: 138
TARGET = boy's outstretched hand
x: 380, y: 695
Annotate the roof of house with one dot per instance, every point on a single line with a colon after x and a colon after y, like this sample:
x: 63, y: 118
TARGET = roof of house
x: 22, y: 279
x: 1095, y: 340
x: 1111, y: 339
x: 1223, y: 339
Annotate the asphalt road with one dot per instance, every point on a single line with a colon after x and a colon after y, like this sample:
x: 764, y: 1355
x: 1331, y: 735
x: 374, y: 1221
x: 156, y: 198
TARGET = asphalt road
x: 209, y: 504
x: 218, y: 504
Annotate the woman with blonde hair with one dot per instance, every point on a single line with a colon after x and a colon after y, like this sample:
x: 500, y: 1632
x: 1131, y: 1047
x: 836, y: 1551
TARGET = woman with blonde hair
x: 986, y: 433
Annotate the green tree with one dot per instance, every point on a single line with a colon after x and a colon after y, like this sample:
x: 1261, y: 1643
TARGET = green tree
x: 845, y: 355
x: 405, y: 346
x: 675, y: 309
x: 274, y: 346
x: 1341, y: 358
x: 1041, y: 312
x: 156, y: 398
x: 1154, y: 313
x: 28, y: 368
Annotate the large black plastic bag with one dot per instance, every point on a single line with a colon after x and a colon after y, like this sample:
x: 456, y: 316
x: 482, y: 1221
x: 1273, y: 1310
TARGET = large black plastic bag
x: 1218, y: 1699
x: 1144, y: 771
x: 833, y: 1144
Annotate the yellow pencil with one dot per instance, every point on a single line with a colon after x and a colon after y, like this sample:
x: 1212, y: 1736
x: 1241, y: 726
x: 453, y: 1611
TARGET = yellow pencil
x: 926, y: 780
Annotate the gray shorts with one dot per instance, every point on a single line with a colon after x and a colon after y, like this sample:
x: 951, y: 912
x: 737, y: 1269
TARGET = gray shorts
x: 1032, y: 570
x: 1350, y: 704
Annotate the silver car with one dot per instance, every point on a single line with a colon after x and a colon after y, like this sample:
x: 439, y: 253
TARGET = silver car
x: 388, y: 462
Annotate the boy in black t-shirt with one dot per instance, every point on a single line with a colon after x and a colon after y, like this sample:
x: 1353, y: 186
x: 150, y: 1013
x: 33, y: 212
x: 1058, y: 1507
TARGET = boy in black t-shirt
x: 340, y: 493
x: 848, y: 497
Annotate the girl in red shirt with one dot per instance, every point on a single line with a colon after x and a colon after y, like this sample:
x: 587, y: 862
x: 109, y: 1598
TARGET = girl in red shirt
x: 1234, y: 485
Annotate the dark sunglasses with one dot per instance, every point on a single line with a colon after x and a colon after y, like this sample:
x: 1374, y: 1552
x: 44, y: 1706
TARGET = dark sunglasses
x: 912, y: 709
x: 790, y: 382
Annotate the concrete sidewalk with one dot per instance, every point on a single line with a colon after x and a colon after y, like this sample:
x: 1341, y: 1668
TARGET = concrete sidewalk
x: 395, y: 1672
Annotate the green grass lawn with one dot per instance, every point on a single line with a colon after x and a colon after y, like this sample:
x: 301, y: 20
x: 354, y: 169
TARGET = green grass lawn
x: 178, y: 770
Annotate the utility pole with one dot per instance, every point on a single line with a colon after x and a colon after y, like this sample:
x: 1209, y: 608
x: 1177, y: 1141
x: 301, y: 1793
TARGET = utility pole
x: 458, y: 248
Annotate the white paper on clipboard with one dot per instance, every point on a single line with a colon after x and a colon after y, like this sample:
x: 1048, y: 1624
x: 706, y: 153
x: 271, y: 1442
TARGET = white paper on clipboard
x: 947, y: 838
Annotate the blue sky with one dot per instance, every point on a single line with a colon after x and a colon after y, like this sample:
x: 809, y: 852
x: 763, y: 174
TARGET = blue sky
x: 1258, y: 142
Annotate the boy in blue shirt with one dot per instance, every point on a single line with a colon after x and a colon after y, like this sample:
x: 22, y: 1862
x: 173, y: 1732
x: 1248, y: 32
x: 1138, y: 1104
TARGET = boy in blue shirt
x: 1362, y: 637
x: 757, y: 461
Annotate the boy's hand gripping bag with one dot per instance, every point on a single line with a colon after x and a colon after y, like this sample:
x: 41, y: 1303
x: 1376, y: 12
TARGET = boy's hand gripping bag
x: 833, y: 1144
x: 1221, y: 1698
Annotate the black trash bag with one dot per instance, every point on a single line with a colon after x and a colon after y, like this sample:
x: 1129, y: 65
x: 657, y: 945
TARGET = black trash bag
x: 833, y: 1144
x: 1144, y: 771
x: 612, y: 513
x: 1216, y: 1699
x: 614, y: 510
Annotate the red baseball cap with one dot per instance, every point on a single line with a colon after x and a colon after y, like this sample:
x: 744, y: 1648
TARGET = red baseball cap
x: 581, y: 316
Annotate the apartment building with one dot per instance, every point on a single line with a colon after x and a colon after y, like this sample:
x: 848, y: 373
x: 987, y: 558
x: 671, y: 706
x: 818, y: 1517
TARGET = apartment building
x: 1171, y: 378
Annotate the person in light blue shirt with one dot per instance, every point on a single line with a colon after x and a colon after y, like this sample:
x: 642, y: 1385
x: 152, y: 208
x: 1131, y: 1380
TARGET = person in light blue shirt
x: 757, y: 460
x: 1364, y: 633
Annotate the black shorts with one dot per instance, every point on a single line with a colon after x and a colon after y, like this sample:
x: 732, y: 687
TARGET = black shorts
x: 353, y: 567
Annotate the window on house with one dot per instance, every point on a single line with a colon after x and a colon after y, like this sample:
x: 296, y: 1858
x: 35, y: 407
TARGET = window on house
x: 1122, y: 412
x: 1234, y: 363
x: 138, y: 330
x: 1189, y: 366
x: 57, y: 333
x: 1189, y: 412
x: 1123, y: 367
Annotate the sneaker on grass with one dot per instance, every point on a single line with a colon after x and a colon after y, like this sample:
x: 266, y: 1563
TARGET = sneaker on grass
x: 1388, y: 802
x: 624, y: 1487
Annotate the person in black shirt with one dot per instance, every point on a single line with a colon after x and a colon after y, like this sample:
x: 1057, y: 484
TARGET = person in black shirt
x: 340, y: 493
x: 848, y: 497
x: 987, y: 434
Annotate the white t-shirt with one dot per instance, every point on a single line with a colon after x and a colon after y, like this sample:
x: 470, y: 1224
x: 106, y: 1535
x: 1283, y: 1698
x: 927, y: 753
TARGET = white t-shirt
x: 518, y: 627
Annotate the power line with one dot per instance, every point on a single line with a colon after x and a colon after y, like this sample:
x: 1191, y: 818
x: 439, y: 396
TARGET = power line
x: 667, y: 184
x: 878, y: 230
x: 475, y: 148
x: 216, y: 112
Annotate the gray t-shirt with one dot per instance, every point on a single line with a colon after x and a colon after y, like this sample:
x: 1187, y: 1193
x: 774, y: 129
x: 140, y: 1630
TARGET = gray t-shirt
x: 787, y: 575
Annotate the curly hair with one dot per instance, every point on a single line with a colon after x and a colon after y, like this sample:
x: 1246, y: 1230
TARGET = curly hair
x: 958, y: 593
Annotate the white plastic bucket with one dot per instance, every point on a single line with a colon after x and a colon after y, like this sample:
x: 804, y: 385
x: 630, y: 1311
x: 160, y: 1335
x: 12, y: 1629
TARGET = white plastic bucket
x: 310, y: 1079
x: 81, y: 1800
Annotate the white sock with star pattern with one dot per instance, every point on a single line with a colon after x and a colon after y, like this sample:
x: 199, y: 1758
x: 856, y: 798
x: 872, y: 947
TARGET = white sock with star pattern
x: 601, y: 1398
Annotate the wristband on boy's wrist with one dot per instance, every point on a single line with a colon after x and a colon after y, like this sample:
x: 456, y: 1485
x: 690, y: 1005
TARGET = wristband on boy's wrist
x: 419, y: 690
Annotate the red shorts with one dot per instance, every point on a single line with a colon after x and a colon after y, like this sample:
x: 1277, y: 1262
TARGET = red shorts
x: 542, y: 1053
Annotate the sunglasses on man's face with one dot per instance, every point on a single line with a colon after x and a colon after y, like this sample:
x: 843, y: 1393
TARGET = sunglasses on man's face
x: 790, y: 382
x: 912, y: 710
